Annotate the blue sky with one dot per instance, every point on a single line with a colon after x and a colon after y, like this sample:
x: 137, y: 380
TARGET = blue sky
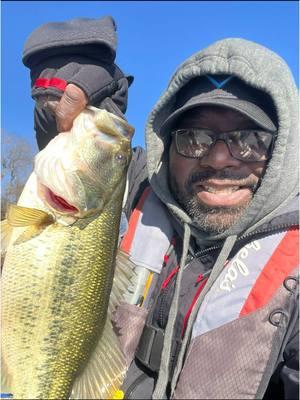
x: 154, y: 38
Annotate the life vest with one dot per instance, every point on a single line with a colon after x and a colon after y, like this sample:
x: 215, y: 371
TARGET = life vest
x: 242, y: 322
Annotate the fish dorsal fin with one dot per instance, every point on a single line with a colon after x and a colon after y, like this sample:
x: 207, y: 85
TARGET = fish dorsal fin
x: 18, y: 216
x: 106, y: 368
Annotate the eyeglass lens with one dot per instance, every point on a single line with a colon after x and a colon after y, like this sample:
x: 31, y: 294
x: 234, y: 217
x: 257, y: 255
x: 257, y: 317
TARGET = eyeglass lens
x: 248, y: 145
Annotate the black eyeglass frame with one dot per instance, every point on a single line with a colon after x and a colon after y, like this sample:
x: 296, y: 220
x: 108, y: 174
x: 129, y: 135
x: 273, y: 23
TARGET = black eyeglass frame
x: 223, y: 137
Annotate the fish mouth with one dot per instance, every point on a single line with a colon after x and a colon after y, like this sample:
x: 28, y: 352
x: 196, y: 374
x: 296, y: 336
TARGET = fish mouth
x: 58, y: 203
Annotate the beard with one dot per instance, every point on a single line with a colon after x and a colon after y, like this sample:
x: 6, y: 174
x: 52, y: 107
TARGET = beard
x: 213, y: 220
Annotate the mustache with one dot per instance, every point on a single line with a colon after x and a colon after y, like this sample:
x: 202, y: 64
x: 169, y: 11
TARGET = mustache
x: 238, y: 176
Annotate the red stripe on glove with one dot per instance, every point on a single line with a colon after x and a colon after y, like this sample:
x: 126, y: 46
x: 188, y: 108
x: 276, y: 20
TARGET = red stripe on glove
x: 51, y: 82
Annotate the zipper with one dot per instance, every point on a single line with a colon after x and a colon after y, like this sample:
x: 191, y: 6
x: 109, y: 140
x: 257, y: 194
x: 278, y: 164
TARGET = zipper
x: 169, y: 277
x: 201, y: 281
x: 135, y: 383
x: 245, y: 237
x: 165, y: 288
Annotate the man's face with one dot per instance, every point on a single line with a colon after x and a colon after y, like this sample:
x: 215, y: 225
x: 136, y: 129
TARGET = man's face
x: 216, y: 189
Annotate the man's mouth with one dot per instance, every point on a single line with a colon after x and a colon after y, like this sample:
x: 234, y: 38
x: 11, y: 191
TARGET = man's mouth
x: 220, y: 194
x: 220, y: 191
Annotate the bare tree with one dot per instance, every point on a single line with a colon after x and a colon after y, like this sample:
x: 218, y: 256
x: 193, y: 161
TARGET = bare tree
x: 16, y: 165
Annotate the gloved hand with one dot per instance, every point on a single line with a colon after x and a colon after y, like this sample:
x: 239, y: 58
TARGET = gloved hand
x: 72, y: 65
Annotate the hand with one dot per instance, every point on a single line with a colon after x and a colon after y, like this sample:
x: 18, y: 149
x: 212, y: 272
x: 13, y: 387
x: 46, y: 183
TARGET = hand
x: 72, y: 65
x: 65, y: 109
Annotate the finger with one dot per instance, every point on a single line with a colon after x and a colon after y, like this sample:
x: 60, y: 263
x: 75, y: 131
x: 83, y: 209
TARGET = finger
x: 71, y: 104
x: 48, y: 102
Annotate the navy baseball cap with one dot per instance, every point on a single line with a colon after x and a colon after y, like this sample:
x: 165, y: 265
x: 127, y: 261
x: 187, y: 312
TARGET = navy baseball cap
x: 226, y: 91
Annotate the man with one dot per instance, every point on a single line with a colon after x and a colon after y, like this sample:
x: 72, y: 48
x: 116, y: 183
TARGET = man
x: 215, y: 238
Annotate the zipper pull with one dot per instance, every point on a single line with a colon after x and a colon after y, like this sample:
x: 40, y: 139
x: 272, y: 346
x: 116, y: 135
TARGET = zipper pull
x: 199, y: 278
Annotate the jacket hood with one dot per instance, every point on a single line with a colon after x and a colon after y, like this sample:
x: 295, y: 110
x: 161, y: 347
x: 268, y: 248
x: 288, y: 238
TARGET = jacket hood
x: 264, y: 70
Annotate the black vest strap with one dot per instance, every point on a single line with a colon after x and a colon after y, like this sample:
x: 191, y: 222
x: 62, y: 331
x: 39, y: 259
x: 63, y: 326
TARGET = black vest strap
x: 150, y: 347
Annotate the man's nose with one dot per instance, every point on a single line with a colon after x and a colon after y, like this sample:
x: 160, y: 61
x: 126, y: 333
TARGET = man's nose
x: 219, y: 157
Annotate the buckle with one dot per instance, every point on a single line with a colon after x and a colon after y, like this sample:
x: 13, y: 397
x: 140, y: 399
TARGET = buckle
x: 150, y: 347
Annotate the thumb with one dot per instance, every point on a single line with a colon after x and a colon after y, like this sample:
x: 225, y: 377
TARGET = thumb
x: 70, y: 105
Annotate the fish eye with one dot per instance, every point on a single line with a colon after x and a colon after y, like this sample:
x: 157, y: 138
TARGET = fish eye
x: 120, y: 157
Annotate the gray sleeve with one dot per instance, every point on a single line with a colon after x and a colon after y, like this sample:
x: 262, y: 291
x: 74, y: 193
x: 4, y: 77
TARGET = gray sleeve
x: 289, y: 373
x: 82, y: 36
x: 137, y: 179
x: 284, y: 383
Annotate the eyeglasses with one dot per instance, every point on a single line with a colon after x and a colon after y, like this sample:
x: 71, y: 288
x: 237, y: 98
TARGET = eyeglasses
x: 245, y: 144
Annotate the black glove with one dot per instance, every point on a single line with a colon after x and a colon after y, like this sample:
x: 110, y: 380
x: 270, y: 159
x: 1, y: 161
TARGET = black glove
x: 82, y: 52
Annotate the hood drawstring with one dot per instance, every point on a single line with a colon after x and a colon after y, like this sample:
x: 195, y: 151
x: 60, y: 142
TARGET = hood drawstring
x: 163, y: 377
x: 217, y: 268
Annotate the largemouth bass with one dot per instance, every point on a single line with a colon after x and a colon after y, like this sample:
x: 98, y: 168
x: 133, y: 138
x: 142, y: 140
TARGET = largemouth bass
x: 59, y: 266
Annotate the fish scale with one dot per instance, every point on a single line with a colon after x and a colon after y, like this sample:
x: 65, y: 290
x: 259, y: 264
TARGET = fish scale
x: 56, y: 285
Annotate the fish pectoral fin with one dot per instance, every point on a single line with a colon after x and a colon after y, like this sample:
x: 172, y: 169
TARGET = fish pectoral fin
x: 5, y: 378
x: 6, y: 232
x: 104, y: 373
x: 18, y: 216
